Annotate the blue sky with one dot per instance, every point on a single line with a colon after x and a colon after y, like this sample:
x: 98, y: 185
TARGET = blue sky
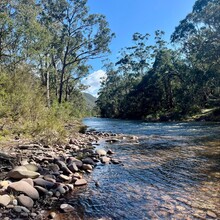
x: 126, y: 17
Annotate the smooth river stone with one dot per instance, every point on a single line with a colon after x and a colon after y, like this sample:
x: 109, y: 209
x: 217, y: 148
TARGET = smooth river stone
x: 5, y: 200
x: 88, y: 160
x: 29, y: 180
x: 25, y: 201
x: 72, y: 166
x: 101, y: 152
x: 80, y: 182
x: 32, y: 167
x: 44, y: 183
x: 87, y: 167
x: 21, y: 172
x: 66, y: 207
x: 78, y: 163
x: 26, y: 188
x: 105, y: 159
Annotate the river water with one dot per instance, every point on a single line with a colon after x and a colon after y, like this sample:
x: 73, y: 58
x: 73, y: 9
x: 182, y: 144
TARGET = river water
x: 171, y: 172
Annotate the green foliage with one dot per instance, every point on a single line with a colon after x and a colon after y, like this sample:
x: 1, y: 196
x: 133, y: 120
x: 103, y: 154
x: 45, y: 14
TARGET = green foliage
x: 44, y: 47
x: 155, y: 82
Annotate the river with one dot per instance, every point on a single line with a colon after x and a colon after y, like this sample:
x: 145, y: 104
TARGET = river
x: 171, y: 172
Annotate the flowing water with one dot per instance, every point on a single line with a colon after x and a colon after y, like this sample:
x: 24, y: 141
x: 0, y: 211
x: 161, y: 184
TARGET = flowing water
x: 171, y: 172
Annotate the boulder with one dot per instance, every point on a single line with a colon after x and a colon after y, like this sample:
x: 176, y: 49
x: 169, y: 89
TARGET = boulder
x: 21, y: 172
x: 24, y: 187
x: 29, y: 180
x: 25, y: 201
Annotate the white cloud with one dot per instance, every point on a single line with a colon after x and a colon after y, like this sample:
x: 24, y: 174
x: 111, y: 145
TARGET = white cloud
x: 94, y: 81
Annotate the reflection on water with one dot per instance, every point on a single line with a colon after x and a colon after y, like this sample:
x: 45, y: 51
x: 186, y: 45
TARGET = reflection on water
x: 172, y: 173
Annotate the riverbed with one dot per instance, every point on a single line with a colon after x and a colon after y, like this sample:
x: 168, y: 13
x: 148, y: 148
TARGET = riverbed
x: 172, y: 171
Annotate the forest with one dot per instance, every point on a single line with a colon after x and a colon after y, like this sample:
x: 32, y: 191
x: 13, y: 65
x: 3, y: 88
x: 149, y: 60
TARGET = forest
x: 45, y: 47
x: 168, y: 80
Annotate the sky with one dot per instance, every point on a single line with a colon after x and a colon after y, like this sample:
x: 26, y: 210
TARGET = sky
x: 125, y: 17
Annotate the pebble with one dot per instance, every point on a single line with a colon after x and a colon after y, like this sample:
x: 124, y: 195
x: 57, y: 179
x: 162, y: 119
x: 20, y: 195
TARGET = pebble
x: 5, y: 200
x: 80, y: 182
x: 101, y: 152
x: 52, y: 215
x: 25, y: 201
x: 66, y: 207
x: 211, y: 214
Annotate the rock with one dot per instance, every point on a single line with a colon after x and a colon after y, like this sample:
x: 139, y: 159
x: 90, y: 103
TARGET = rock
x: 5, y: 200
x: 78, y: 163
x: 80, y: 182
x: 66, y: 207
x: 41, y: 190
x: 72, y: 166
x: 50, y: 178
x: 22, y: 186
x: 21, y: 209
x: 22, y: 172
x: 24, y: 162
x: 4, y: 184
x: 29, y: 180
x: 110, y: 152
x: 63, y: 167
x: 105, y: 159
x: 34, y: 215
x: 101, y: 152
x: 112, y: 141
x: 54, y: 167
x: 44, y: 183
x: 134, y: 138
x: 87, y: 167
x: 115, y: 161
x: 25, y: 201
x: 70, y: 186
x: 15, y: 202
x: 52, y: 215
x: 64, y: 177
x: 61, y: 189
x: 88, y: 160
x: 31, y: 167
x: 211, y: 214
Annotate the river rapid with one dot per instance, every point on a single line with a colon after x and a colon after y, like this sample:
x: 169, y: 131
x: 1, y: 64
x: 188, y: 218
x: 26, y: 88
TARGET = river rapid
x: 171, y: 172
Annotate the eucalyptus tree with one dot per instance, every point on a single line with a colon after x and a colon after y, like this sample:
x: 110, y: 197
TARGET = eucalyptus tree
x: 199, y: 37
x: 77, y: 37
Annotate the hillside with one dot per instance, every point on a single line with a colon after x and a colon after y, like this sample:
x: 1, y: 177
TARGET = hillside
x: 90, y: 100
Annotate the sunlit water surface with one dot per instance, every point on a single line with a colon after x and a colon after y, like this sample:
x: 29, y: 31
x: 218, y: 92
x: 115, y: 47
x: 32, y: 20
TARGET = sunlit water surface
x: 172, y: 172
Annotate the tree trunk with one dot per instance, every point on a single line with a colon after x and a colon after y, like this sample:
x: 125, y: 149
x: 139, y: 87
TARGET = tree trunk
x: 48, y: 89
x: 61, y: 86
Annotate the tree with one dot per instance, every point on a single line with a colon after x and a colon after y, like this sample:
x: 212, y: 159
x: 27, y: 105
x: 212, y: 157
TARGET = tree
x: 77, y: 37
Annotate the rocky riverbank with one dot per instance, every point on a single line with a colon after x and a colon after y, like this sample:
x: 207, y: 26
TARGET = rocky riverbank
x: 35, y: 177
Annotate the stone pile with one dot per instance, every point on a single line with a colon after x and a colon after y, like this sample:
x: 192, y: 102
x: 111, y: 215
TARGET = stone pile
x: 47, y: 173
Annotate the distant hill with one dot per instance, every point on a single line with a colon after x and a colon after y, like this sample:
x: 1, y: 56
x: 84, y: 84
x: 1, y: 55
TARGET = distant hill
x: 90, y: 100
